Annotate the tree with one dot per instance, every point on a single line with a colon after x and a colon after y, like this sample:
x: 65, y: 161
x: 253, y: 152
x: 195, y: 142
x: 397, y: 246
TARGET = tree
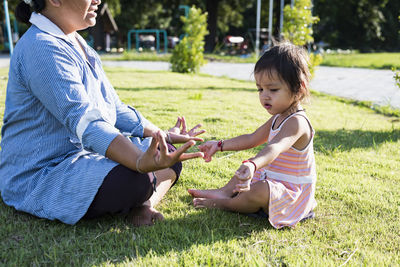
x: 352, y: 23
x: 222, y: 16
x: 297, y: 22
x: 149, y: 14
x: 188, y: 54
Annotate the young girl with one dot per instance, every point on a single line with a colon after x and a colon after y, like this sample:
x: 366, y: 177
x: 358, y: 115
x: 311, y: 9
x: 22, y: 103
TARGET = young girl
x: 279, y: 182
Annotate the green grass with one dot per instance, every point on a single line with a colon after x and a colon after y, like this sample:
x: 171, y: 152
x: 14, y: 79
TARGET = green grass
x: 358, y: 190
x: 359, y: 60
x: 363, y: 60
x: 144, y: 56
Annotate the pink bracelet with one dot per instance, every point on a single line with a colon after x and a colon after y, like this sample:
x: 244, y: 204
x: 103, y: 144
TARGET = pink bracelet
x: 220, y: 144
x: 255, y: 166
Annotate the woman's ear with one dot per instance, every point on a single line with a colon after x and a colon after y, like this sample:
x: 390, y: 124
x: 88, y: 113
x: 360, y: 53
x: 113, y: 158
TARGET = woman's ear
x: 303, y: 84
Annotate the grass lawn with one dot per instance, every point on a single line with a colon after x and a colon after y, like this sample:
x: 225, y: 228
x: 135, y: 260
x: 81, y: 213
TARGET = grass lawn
x: 358, y: 190
x: 152, y: 56
x: 365, y: 60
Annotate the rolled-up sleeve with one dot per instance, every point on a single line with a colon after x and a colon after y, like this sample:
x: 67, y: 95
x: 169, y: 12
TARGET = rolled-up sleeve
x: 56, y: 80
x: 130, y: 120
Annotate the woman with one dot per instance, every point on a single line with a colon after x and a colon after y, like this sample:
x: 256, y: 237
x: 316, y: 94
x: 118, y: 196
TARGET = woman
x: 64, y: 154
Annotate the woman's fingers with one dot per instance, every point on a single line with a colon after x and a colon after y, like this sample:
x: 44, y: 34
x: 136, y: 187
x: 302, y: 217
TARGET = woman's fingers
x: 154, y: 143
x: 180, y: 155
x: 178, y: 123
x: 196, y: 139
x: 163, y: 144
x: 184, y: 147
x: 183, y: 131
x: 193, y: 132
x: 186, y: 156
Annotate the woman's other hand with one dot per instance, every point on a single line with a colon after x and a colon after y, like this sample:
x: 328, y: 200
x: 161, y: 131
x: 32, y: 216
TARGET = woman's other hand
x: 154, y: 159
x: 179, y: 134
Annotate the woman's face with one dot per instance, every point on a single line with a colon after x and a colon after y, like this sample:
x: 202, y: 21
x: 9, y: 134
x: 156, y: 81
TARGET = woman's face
x: 81, y: 14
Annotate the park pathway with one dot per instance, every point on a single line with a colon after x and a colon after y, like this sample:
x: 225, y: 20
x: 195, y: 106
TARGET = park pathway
x: 376, y: 86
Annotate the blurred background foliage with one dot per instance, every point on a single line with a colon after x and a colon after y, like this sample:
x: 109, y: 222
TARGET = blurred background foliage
x: 364, y: 25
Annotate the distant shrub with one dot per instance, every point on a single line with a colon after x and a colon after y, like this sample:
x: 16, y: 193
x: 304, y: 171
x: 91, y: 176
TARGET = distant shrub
x: 315, y: 60
x: 298, y: 21
x: 297, y: 28
x: 187, y: 56
x: 396, y: 77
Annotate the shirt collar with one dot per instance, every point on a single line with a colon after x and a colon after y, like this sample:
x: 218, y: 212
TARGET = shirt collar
x: 46, y: 25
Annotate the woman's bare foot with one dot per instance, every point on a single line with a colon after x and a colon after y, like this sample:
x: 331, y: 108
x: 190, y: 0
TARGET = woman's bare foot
x: 211, y: 193
x: 145, y: 216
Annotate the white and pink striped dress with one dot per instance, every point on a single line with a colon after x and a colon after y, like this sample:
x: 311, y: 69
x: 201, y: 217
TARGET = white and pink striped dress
x: 291, y: 178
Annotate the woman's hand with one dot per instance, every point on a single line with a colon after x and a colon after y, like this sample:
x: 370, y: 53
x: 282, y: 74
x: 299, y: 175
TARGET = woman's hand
x: 154, y: 159
x: 179, y: 134
x: 209, y: 148
x: 244, y: 175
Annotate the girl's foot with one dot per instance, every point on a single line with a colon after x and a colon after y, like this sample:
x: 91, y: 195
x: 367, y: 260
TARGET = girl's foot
x: 205, y: 203
x: 145, y: 216
x: 210, y: 193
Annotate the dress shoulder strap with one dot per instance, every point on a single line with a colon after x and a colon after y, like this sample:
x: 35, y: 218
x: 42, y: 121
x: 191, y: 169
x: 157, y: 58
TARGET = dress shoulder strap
x: 288, y: 117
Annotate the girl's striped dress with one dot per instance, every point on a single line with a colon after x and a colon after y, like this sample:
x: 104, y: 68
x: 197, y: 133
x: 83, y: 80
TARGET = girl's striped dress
x: 291, y: 178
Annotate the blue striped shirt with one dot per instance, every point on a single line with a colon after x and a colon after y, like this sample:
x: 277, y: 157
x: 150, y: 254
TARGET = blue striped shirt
x: 61, y: 115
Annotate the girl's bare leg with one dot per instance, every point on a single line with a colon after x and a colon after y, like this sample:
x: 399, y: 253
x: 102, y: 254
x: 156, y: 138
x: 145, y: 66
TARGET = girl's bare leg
x: 147, y: 214
x: 245, y: 202
x: 223, y: 192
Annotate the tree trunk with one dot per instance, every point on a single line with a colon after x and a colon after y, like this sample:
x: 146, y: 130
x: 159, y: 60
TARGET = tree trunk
x: 211, y: 38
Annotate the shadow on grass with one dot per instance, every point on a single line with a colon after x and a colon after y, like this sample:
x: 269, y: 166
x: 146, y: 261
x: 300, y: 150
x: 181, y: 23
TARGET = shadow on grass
x: 345, y: 140
x: 328, y: 142
x: 27, y: 239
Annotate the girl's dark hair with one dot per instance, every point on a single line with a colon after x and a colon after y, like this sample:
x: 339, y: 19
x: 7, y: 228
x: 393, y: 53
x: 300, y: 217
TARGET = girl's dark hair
x: 291, y: 64
x: 23, y: 11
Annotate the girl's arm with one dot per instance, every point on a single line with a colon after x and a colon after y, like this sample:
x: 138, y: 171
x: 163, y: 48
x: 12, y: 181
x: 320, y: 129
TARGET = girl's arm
x: 242, y: 142
x: 247, y: 141
x: 295, y: 132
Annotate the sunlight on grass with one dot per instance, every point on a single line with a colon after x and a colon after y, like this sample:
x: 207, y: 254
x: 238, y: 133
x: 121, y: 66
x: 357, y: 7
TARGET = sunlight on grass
x: 363, y: 60
x: 358, y: 189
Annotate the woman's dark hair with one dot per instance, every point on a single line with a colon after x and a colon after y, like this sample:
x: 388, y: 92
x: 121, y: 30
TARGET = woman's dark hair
x: 23, y: 11
x: 291, y: 64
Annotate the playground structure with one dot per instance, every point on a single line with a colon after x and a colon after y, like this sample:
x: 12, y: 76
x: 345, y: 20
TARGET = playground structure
x: 157, y: 32
x: 145, y: 40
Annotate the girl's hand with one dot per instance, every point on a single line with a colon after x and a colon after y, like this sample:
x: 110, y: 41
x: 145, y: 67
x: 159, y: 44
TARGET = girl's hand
x: 209, y: 148
x: 178, y: 133
x: 154, y: 159
x: 244, y: 175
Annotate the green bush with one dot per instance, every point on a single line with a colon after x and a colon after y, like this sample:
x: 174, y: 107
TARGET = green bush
x: 187, y: 56
x: 315, y: 60
x: 298, y: 21
x: 396, y: 77
x: 297, y: 28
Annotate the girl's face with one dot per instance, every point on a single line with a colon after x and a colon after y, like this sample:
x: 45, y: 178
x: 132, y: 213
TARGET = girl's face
x: 275, y: 95
x: 80, y: 14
